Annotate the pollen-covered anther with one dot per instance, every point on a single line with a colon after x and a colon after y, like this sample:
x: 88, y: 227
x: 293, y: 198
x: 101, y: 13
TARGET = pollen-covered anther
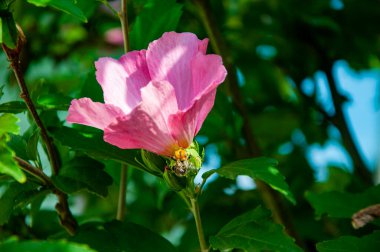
x: 180, y: 154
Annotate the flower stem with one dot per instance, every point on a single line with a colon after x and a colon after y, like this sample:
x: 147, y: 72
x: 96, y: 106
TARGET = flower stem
x: 122, y: 192
x: 121, y: 208
x: 198, y: 223
x: 123, y: 15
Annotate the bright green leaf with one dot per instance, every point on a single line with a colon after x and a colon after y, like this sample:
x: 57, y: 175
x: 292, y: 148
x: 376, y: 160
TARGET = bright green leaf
x: 254, y: 231
x: 54, y: 101
x: 334, y: 204
x: 369, y: 243
x: 94, y: 145
x: 83, y: 173
x: 38, y: 246
x: 156, y: 17
x: 258, y: 168
x: 67, y: 6
x: 118, y: 236
x: 8, y: 165
x: 8, y: 123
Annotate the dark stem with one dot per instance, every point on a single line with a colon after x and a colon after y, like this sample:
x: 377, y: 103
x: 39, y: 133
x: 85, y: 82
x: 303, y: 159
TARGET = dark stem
x: 66, y: 218
x: 33, y: 171
x: 341, y: 122
x: 14, y: 59
x: 271, y: 198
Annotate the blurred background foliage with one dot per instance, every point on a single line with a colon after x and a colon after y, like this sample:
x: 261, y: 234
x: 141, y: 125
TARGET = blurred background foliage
x: 276, y: 51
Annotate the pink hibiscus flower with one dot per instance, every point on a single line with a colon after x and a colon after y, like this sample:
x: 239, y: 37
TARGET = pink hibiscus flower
x: 155, y: 99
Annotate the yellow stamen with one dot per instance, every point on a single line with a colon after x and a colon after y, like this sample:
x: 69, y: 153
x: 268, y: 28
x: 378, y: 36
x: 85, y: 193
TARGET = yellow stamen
x: 180, y: 154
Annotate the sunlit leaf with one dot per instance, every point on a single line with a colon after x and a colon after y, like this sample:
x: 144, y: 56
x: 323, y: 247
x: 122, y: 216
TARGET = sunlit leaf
x: 258, y: 168
x: 9, y: 124
x: 254, y: 231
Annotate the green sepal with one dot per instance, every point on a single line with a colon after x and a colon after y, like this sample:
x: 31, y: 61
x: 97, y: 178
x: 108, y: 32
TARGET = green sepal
x: 173, y: 181
x: 152, y: 163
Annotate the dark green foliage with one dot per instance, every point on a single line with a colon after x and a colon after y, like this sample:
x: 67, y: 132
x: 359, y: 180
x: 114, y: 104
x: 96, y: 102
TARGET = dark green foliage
x: 270, y: 46
x: 117, y: 236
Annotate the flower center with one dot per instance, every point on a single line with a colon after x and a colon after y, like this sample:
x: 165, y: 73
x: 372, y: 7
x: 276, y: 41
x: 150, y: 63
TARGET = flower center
x: 180, y: 155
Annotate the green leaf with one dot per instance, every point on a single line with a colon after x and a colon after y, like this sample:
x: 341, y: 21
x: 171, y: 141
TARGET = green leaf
x: 258, y: 168
x: 369, y: 243
x: 11, y: 199
x: 118, y: 236
x: 253, y: 231
x: 8, y: 30
x: 8, y: 165
x: 31, y: 147
x: 38, y: 246
x: 156, y: 17
x: 94, y: 145
x: 8, y: 124
x: 83, y: 173
x: 67, y: 6
x: 13, y: 107
x: 334, y: 204
x: 54, y: 101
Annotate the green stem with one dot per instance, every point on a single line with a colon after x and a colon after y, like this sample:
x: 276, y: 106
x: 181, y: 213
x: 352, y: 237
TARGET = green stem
x: 198, y: 223
x: 121, y: 209
x: 123, y: 15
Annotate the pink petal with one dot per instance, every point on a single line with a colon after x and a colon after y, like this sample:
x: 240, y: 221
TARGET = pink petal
x: 94, y: 114
x: 169, y: 58
x: 184, y: 125
x: 121, y: 80
x: 146, y: 126
x: 208, y: 73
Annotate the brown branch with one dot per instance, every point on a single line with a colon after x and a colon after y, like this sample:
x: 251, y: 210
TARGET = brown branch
x: 271, y: 198
x: 341, y: 122
x: 66, y: 218
x: 365, y: 216
x: 14, y: 59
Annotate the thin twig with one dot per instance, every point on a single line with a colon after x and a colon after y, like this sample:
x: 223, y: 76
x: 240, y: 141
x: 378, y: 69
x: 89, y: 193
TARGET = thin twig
x: 341, y: 122
x: 33, y: 171
x: 14, y: 59
x: 121, y: 209
x: 271, y: 199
